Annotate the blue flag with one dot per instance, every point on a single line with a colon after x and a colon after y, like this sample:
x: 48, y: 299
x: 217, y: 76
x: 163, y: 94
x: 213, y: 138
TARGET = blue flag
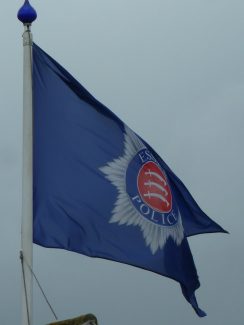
x: 101, y: 190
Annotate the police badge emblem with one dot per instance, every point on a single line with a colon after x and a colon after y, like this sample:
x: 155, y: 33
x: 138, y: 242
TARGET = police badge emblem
x: 144, y: 195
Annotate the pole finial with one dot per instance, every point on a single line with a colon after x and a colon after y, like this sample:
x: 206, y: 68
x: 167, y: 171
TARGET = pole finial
x: 27, y: 13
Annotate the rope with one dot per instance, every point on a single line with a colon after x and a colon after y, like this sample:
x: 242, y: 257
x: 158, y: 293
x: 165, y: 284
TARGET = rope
x: 40, y: 287
x: 23, y: 274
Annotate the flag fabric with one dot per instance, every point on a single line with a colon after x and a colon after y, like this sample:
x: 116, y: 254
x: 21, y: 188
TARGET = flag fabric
x: 101, y: 190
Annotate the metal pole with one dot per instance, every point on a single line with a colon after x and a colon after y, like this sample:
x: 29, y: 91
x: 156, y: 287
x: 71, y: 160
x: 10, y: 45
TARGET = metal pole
x: 27, y: 15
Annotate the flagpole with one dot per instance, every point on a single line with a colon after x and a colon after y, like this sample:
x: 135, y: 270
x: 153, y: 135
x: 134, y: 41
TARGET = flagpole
x: 27, y: 15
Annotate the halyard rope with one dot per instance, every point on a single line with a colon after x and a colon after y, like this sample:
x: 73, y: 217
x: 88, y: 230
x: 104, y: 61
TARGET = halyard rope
x: 39, y: 285
x: 23, y: 274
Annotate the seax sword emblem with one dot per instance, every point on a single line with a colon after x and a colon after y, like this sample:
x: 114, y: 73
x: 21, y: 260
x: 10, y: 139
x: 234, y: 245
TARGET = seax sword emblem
x: 144, y: 195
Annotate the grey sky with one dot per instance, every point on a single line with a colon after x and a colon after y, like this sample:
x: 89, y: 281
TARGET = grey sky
x: 173, y: 71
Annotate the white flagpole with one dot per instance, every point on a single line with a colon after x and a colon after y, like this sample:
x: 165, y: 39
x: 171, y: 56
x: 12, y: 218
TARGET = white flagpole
x: 27, y: 182
x: 27, y: 15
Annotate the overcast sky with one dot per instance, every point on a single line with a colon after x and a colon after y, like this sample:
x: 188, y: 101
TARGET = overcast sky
x: 173, y: 71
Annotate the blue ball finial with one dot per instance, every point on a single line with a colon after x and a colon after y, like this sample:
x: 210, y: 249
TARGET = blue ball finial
x: 27, y: 13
